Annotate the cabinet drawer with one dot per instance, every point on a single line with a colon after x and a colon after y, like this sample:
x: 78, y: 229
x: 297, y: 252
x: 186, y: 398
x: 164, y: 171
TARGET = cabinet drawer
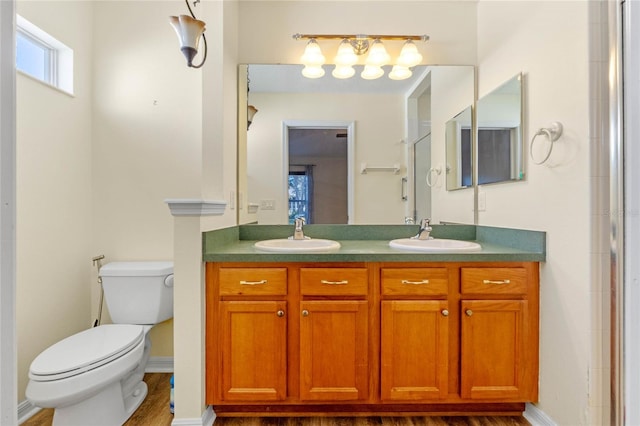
x: 253, y: 281
x: 333, y: 281
x: 415, y: 281
x: 494, y: 280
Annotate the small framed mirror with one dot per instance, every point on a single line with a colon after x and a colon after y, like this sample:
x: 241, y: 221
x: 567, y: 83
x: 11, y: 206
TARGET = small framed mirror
x: 500, y: 141
x: 459, y: 171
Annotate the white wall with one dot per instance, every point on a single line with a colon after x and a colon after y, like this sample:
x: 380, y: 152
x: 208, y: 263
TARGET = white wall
x: 147, y: 135
x: 54, y: 221
x: 548, y: 42
x: 379, y: 128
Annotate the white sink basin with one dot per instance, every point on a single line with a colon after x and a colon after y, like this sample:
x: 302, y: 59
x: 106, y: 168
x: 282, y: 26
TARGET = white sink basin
x: 434, y: 245
x: 285, y: 245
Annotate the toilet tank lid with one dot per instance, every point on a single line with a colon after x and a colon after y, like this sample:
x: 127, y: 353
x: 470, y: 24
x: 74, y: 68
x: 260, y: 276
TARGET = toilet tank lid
x: 137, y: 269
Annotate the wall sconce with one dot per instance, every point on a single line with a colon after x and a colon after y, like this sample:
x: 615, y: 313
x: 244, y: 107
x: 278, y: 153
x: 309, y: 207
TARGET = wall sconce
x: 251, y: 111
x: 189, y: 29
x: 353, y: 46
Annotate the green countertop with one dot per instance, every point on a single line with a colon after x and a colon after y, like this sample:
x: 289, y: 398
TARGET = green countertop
x: 370, y: 243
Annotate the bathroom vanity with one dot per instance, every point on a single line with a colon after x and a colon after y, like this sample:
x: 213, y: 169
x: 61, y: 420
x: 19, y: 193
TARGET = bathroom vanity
x: 372, y: 330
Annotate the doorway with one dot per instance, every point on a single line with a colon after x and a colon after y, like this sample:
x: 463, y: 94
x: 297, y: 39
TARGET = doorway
x: 318, y: 170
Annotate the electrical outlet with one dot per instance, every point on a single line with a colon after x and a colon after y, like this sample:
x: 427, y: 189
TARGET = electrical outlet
x: 268, y: 204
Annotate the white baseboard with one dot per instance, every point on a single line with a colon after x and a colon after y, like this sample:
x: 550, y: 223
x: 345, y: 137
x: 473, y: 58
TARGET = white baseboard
x: 207, y: 419
x: 26, y: 410
x: 159, y: 364
x: 537, y: 417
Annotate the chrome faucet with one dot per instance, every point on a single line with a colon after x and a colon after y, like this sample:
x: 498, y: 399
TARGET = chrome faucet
x: 425, y: 230
x: 297, y: 231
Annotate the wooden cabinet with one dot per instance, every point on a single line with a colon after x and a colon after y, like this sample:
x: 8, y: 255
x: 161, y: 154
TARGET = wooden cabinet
x: 414, y: 350
x: 414, y: 334
x: 333, y: 351
x: 334, y: 334
x: 499, y: 338
x: 252, y: 334
x: 253, y: 350
x: 353, y: 338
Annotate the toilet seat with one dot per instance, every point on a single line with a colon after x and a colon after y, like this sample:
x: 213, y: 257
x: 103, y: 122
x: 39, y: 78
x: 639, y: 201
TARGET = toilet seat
x: 85, y: 351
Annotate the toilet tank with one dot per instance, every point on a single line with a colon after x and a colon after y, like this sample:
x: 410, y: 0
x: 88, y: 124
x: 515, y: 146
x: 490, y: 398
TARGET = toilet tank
x: 138, y: 292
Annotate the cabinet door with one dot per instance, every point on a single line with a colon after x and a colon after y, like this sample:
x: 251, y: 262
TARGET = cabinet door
x: 414, y: 350
x: 333, y: 350
x: 254, y: 348
x: 495, y: 363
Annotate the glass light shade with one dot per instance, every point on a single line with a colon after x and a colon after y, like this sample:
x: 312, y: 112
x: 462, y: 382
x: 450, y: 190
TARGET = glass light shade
x: 378, y: 55
x: 189, y: 31
x: 409, y: 55
x: 345, y: 56
x: 343, y: 71
x: 251, y: 111
x: 400, y: 72
x: 313, y: 71
x: 312, y: 55
x: 371, y: 72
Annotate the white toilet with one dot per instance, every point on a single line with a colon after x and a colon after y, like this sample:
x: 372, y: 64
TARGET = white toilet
x: 95, y: 377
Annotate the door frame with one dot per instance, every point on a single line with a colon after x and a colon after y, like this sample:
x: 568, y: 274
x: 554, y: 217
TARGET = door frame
x: 349, y: 126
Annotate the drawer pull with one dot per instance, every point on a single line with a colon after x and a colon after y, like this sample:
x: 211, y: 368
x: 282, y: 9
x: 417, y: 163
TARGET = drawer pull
x: 343, y: 282
x: 496, y: 282
x: 253, y: 282
x: 415, y: 282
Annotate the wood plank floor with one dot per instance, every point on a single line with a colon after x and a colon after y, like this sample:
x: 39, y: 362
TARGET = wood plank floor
x: 154, y: 411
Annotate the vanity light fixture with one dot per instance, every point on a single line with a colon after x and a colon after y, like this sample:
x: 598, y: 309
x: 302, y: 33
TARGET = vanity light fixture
x: 189, y: 30
x: 353, y: 46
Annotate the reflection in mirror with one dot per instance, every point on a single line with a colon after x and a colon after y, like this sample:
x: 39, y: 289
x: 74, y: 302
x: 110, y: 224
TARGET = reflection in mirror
x: 500, y: 142
x: 381, y: 116
x: 459, y: 157
x: 421, y: 174
x: 445, y: 91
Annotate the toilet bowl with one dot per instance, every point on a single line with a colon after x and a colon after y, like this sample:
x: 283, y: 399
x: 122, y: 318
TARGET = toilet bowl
x: 95, y: 377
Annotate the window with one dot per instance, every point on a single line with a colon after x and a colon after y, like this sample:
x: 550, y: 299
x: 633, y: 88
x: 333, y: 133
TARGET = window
x: 42, y: 57
x: 299, y: 196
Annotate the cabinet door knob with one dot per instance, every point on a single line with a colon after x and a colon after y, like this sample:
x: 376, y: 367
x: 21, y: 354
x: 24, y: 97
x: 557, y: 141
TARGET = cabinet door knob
x: 445, y: 313
x: 280, y: 313
x: 469, y: 312
x: 305, y: 313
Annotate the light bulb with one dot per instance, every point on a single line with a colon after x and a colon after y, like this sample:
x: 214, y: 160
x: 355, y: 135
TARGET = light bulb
x: 312, y: 55
x: 313, y: 71
x: 409, y: 55
x: 343, y: 71
x: 345, y: 55
x: 371, y: 72
x: 400, y: 72
x: 378, y: 55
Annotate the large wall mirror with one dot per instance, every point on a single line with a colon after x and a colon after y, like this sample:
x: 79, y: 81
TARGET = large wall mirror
x: 500, y: 141
x: 353, y: 139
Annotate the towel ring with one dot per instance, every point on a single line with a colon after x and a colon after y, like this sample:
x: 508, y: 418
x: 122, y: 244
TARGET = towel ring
x: 437, y: 171
x: 552, y: 133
